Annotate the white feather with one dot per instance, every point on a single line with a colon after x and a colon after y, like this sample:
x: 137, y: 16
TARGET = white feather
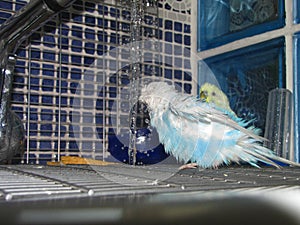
x: 192, y: 130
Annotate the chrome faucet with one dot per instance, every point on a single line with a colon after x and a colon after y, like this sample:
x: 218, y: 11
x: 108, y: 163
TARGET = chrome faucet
x: 12, y: 33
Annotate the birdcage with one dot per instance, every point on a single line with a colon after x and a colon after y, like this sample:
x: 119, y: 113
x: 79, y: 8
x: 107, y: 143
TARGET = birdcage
x: 76, y: 82
x: 73, y: 76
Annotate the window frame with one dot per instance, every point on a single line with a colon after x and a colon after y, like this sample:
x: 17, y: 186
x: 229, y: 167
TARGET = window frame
x: 288, y: 31
x: 204, y: 44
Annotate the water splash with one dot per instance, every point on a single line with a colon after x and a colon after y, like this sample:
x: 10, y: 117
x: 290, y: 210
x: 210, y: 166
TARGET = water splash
x: 136, y: 56
x: 137, y: 15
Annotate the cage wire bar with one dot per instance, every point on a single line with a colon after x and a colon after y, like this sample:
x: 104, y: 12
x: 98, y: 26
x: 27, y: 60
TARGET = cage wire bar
x: 83, y: 54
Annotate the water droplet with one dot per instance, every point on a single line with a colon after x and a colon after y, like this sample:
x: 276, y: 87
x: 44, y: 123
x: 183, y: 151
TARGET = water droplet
x: 91, y: 192
x: 8, y: 197
x: 155, y: 182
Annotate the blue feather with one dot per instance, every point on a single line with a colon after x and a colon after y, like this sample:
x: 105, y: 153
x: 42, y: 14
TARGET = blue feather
x: 193, y: 130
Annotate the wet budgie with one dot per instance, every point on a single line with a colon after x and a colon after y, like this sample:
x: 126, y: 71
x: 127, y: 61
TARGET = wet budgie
x: 216, y: 98
x: 211, y: 94
x: 194, y: 131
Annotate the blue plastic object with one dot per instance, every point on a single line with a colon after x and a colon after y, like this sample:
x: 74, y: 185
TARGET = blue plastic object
x: 149, y: 150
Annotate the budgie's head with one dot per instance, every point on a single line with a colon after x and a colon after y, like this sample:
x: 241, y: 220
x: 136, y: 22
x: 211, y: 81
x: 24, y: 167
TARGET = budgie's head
x: 156, y: 94
x: 212, y: 94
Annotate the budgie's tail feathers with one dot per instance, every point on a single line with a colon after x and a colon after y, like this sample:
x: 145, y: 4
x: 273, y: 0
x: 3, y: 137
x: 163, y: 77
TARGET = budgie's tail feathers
x: 265, y: 155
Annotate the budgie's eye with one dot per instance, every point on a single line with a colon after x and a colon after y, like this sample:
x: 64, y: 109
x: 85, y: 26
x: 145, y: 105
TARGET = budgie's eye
x: 213, y: 93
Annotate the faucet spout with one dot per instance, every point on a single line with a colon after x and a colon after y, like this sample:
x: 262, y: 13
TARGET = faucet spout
x: 31, y: 17
x: 12, y: 33
x: 58, y: 5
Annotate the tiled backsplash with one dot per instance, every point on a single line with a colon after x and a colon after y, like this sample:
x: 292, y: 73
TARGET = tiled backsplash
x: 73, y: 73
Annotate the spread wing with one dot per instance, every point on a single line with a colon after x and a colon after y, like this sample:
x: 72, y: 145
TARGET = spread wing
x: 193, y: 130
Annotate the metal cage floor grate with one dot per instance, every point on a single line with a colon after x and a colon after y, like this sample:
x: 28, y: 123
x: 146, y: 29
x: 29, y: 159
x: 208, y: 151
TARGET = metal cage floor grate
x: 34, y: 182
x: 122, y: 194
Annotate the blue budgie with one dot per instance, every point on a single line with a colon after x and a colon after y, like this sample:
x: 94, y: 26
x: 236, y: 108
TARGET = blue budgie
x: 194, y: 131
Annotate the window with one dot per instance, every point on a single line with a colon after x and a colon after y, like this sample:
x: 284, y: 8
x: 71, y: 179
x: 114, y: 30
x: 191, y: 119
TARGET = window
x: 296, y: 92
x: 296, y: 13
x: 248, y: 44
x: 247, y: 75
x: 223, y: 21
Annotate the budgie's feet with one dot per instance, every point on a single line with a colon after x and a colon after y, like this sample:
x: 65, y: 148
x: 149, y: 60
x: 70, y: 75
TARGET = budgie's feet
x: 189, y: 166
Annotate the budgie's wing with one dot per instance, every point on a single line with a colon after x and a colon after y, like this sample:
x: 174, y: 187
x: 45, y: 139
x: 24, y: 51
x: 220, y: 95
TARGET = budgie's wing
x: 195, y: 110
x: 189, y: 110
x: 188, y: 132
x: 180, y: 133
x: 221, y: 131
x: 193, y: 130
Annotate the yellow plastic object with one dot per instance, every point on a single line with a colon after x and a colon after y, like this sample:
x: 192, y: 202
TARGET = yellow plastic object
x: 76, y: 160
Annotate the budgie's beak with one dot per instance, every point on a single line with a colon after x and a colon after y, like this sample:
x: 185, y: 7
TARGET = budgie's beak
x: 204, y: 96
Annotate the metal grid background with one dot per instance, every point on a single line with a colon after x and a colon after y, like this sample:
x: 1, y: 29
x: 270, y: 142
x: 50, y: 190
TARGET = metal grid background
x: 80, y: 54
x: 37, y: 182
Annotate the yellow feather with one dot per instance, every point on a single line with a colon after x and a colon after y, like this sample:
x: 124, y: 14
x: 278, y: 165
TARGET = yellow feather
x: 212, y: 94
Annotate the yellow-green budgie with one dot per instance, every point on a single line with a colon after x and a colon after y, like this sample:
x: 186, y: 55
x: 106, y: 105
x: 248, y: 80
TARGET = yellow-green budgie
x: 210, y: 93
x: 194, y: 131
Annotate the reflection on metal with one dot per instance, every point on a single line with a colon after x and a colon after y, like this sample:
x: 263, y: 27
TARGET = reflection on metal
x: 11, y: 127
x: 33, y: 183
x: 31, y: 17
x: 12, y: 34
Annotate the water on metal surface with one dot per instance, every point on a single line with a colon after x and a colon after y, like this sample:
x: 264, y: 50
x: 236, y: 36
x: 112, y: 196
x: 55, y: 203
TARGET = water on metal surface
x: 34, y: 182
